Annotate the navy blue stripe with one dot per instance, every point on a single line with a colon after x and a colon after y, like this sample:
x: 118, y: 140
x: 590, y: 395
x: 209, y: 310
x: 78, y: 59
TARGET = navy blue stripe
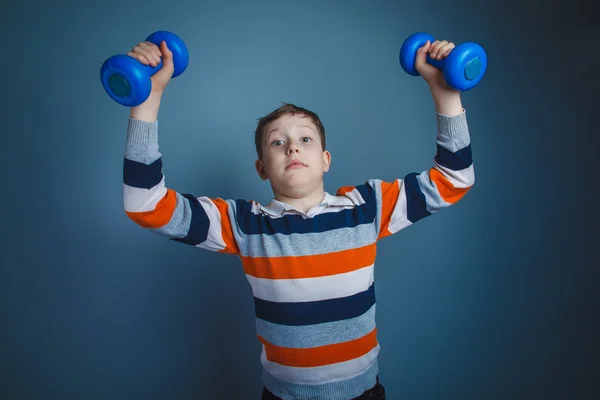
x: 455, y: 161
x: 315, y: 312
x: 199, y: 225
x: 367, y: 193
x: 140, y: 175
x: 416, y: 207
x: 251, y: 223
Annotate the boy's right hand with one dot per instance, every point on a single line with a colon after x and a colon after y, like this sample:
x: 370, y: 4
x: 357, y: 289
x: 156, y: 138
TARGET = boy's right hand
x: 150, y: 54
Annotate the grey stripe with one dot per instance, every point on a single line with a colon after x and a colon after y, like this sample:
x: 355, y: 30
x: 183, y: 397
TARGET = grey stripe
x: 179, y: 225
x: 302, y: 244
x: 317, y: 335
x: 433, y: 200
x: 376, y: 185
x: 339, y: 390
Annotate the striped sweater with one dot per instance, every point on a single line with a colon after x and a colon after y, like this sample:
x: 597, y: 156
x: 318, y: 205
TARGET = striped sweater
x: 312, y: 275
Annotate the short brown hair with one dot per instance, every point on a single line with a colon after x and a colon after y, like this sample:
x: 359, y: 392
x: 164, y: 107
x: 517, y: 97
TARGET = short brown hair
x: 289, y: 109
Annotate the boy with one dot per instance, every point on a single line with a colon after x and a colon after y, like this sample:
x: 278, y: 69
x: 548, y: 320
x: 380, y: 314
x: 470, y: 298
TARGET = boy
x: 308, y: 255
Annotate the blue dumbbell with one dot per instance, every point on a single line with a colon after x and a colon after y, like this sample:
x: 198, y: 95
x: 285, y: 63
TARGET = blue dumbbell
x: 463, y: 68
x: 127, y: 81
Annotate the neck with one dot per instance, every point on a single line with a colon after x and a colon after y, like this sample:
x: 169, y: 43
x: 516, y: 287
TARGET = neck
x: 303, y: 203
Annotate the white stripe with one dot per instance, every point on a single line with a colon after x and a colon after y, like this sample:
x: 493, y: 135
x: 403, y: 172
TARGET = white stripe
x: 460, y: 179
x: 142, y: 200
x: 337, y: 208
x: 355, y: 196
x: 399, y: 219
x: 255, y: 208
x: 312, y: 289
x: 214, y: 241
x: 323, y: 374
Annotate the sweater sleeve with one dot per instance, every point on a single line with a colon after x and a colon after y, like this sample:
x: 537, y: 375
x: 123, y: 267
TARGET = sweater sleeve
x: 198, y: 221
x: 407, y: 200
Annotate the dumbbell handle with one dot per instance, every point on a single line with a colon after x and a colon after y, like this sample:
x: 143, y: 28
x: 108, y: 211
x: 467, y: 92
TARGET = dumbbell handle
x: 152, y: 69
x: 436, y: 63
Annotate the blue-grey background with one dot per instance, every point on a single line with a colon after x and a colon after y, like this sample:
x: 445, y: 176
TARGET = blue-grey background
x: 494, y: 298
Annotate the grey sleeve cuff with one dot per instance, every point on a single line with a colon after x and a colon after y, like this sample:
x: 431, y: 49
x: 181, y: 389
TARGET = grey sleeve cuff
x: 142, y: 132
x: 452, y: 126
x: 453, y: 132
x: 142, y: 141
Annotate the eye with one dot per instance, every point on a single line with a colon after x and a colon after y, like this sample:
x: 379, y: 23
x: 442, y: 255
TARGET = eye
x: 277, y: 143
x: 306, y: 139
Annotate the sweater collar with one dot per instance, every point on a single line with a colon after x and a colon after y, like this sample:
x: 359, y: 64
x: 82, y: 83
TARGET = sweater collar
x: 277, y: 208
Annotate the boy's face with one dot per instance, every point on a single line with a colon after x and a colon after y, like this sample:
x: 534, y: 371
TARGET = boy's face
x: 293, y: 156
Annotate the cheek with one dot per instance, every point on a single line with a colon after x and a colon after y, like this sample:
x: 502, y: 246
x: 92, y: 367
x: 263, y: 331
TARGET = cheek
x: 317, y: 156
x: 270, y: 161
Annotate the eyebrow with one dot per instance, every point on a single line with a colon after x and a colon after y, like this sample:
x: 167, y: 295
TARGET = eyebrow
x: 276, y: 129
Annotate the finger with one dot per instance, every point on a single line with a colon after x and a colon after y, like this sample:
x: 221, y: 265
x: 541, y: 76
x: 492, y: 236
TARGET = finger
x: 152, y: 48
x: 422, y: 52
x: 139, y: 57
x: 435, y: 49
x: 168, y: 66
x: 445, y: 50
x: 146, y: 53
x: 153, y: 51
x: 434, y: 45
x: 165, y: 49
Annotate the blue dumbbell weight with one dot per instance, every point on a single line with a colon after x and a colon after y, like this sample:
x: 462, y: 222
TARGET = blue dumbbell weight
x: 463, y: 68
x: 127, y: 81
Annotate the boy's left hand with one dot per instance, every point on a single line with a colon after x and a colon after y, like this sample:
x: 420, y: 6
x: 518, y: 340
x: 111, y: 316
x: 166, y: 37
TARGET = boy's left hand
x: 433, y: 76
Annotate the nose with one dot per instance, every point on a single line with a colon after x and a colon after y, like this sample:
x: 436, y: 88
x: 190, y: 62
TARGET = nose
x: 293, y: 148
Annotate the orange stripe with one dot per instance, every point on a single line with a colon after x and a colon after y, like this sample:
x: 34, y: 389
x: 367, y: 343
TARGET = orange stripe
x: 312, y: 266
x: 345, y: 189
x: 447, y: 190
x: 231, y: 246
x: 160, y: 216
x: 389, y: 194
x: 323, y: 355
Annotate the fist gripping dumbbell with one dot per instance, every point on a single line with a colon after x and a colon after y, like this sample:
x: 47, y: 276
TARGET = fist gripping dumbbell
x: 463, y: 68
x: 127, y: 81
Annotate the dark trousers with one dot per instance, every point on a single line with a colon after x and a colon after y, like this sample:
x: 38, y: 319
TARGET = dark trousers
x: 377, y: 392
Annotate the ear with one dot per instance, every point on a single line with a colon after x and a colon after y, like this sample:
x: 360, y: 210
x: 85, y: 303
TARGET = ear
x: 326, y: 161
x: 260, y: 168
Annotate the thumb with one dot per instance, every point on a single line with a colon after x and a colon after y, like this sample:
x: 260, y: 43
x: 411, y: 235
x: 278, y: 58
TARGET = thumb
x: 164, y: 74
x: 167, y: 55
x: 422, y: 53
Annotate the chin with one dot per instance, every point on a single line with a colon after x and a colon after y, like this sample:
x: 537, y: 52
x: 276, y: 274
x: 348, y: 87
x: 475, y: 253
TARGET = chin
x: 296, y: 188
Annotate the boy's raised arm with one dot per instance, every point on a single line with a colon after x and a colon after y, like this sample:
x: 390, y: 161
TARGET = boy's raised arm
x: 418, y: 195
x: 197, y: 221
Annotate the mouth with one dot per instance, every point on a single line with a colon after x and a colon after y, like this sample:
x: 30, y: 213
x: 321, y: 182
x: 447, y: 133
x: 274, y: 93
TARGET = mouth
x: 295, y: 164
